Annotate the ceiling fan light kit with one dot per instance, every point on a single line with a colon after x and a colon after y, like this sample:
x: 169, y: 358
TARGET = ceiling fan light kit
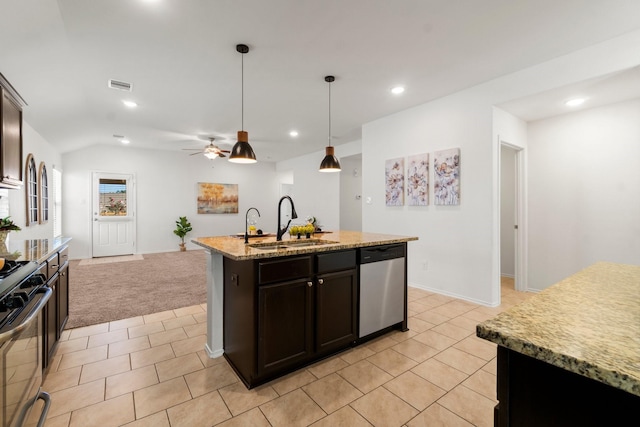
x: 330, y: 163
x: 242, y: 151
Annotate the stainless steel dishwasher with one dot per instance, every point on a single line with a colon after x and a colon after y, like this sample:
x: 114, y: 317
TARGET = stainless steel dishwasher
x: 382, y: 287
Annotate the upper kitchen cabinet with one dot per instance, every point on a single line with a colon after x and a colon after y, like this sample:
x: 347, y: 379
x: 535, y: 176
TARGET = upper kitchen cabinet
x: 10, y: 136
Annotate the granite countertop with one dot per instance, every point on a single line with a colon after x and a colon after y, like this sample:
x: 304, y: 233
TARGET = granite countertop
x: 588, y: 323
x: 31, y: 250
x: 235, y: 248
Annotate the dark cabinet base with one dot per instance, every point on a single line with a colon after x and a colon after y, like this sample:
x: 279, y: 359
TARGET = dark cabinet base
x: 534, y: 393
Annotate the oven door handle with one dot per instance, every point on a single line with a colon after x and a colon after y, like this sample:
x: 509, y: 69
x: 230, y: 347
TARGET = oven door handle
x: 33, y: 313
x: 44, y: 396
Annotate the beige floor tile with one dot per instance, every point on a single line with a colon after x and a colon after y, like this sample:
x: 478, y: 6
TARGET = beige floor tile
x: 73, y: 398
x: 381, y: 343
x: 356, y: 354
x: 416, y: 307
x: 415, y: 390
x: 160, y: 396
x: 471, y: 406
x: 64, y: 336
x: 479, y: 315
x: 189, y: 345
x: 55, y: 381
x: 209, y: 361
x: 344, y: 417
x: 107, y: 338
x: 194, y: 309
x: 478, y: 347
x: 326, y: 367
x: 454, y: 308
x: 491, y: 366
x: 206, y: 410
x: 433, y: 318
x: 146, y: 329
x: 159, y: 419
x: 159, y: 317
x: 195, y: 330
x: 435, y: 340
x: 167, y: 336
x: 440, y: 374
x: 332, y: 392
x: 482, y: 382
x: 151, y: 356
x: 59, y: 421
x: 178, y: 322
x: 126, y: 323
x: 239, y: 399
x: 365, y: 376
x: 464, y: 323
x: 418, y: 325
x: 129, y: 381
x: 128, y: 346
x: 113, y: 412
x: 71, y: 346
x: 79, y: 358
x: 178, y: 366
x: 460, y: 360
x: 383, y: 408
x: 402, y: 336
x: 415, y: 350
x: 452, y: 331
x: 207, y: 380
x: 200, y: 317
x: 253, y: 418
x: 105, y: 368
x: 279, y: 411
x: 392, y: 362
x: 88, y: 330
x: 437, y: 416
x: 292, y: 381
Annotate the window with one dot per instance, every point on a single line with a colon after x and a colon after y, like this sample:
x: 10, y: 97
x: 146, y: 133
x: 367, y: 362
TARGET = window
x: 31, y: 190
x: 43, y: 186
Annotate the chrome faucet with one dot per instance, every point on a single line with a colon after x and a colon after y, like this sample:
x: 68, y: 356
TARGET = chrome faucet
x: 294, y: 215
x: 246, y: 224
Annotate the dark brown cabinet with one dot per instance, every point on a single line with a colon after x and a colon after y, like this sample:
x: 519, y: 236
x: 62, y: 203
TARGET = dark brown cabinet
x: 283, y: 313
x: 10, y: 136
x: 56, y: 312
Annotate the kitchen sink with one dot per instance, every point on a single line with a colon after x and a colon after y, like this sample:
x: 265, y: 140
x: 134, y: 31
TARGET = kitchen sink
x: 290, y: 244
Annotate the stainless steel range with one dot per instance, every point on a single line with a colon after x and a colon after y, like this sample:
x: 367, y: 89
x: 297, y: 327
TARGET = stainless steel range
x: 23, y: 295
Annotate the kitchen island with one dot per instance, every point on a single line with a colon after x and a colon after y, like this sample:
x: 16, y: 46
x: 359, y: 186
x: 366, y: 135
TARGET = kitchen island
x: 274, y: 306
x: 571, y: 354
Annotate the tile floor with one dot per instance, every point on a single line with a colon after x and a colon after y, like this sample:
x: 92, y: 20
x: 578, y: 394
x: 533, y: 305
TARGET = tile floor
x: 152, y: 371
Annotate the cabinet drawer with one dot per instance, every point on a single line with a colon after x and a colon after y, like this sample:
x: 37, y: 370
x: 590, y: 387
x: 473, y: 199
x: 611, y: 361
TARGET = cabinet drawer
x: 63, y: 255
x: 53, y: 264
x: 283, y: 270
x: 336, y: 261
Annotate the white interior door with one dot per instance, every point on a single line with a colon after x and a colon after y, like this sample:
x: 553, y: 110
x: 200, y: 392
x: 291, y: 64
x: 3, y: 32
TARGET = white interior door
x: 114, y: 229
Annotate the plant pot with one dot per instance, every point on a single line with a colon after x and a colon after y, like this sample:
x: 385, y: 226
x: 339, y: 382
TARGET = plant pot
x: 183, y: 247
x: 3, y: 236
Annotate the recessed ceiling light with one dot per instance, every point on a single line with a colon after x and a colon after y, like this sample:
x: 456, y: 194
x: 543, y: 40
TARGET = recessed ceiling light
x: 575, y: 102
x: 293, y: 133
x: 129, y: 104
x: 125, y: 141
x: 397, y: 90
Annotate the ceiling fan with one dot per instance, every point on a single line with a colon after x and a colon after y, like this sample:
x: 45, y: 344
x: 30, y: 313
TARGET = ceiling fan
x: 210, y: 151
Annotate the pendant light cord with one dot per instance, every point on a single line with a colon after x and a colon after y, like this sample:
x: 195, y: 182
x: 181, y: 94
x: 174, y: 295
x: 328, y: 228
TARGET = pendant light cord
x: 329, y: 114
x: 242, y: 91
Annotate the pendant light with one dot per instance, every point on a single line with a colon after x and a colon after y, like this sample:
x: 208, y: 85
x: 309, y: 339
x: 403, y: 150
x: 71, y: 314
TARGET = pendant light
x: 242, y: 151
x: 330, y: 163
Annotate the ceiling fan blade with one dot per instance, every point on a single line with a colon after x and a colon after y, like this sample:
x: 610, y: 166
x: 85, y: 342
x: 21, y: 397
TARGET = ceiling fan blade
x: 221, y: 155
x: 225, y: 151
x: 194, y: 154
x: 192, y: 149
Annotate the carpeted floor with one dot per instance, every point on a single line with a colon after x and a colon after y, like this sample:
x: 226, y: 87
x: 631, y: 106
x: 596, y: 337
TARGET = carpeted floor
x: 112, y: 291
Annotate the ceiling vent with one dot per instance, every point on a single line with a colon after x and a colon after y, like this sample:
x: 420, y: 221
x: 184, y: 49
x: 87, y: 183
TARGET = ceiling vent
x: 117, y: 84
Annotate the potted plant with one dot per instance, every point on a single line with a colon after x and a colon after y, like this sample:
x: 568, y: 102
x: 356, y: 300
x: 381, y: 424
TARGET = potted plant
x: 182, y: 228
x: 7, y: 225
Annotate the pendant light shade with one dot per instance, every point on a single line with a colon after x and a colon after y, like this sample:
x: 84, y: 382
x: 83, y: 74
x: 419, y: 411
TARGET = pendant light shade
x: 242, y: 151
x: 330, y: 163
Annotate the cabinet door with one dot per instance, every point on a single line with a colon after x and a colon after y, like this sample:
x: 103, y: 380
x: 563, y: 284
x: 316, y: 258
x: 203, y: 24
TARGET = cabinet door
x: 336, y: 305
x: 10, y: 141
x: 285, y: 325
x: 50, y: 323
x: 63, y: 298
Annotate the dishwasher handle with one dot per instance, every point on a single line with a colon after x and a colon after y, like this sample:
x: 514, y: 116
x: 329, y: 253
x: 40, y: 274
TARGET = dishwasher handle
x: 381, y: 253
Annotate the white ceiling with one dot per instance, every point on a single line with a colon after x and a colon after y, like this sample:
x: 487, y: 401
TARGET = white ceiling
x: 180, y: 57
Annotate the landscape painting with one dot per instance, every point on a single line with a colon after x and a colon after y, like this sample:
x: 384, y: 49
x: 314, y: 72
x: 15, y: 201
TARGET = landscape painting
x: 394, y: 182
x: 446, y: 173
x: 418, y: 180
x: 217, y: 198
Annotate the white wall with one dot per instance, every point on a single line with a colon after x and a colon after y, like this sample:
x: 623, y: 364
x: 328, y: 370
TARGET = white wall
x: 42, y: 151
x: 584, y: 203
x: 460, y: 244
x: 351, y: 193
x: 166, y: 188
